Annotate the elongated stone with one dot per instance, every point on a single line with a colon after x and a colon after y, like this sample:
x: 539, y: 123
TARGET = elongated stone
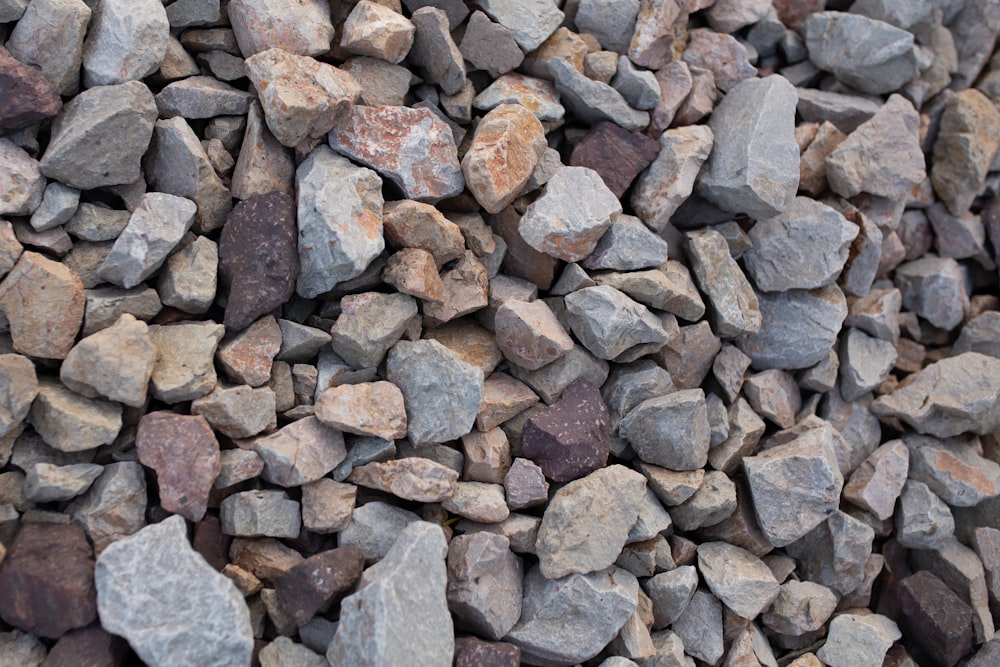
x: 610, y: 324
x: 593, y: 101
x: 735, y: 310
x: 738, y: 578
x: 670, y: 179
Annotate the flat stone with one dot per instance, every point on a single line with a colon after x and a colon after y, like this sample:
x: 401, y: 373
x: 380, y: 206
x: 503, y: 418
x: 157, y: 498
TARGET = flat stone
x: 628, y: 245
x: 610, y: 324
x: 893, y: 130
x: 592, y: 101
x: 507, y: 145
x: 608, y: 144
x: 184, y: 369
x: 477, y: 501
x: 47, y: 581
x: 734, y: 308
x: 327, y: 505
x: 126, y: 41
x: 401, y: 602
x: 371, y: 408
x: 886, y: 63
x: 490, y: 46
x: 32, y: 97
x: 846, y: 112
x: 46, y: 482
x: 934, y: 618
x: 90, y: 645
x: 202, y: 97
x: 197, y: 600
x: 484, y: 584
x: 800, y: 607
x: 531, y: 24
x: 114, y: 506
x: 106, y: 304
x: 712, y: 502
x: 670, y: 179
x: 100, y: 136
x: 412, y: 478
x: 375, y: 30
x: 537, y: 95
x: 369, y: 324
x: 263, y: 165
x: 676, y: 83
x: 382, y: 83
x: 50, y: 36
x: 611, y: 24
x: 879, y: 480
x: 300, y: 28
x: 283, y: 652
x: 260, y: 514
x: 69, y: 422
x: 185, y: 455
x: 737, y: 176
x: 670, y: 431
x: 310, y: 587
x: 411, y: 147
x: 529, y: 334
x: 300, y: 343
x: 299, y: 453
x: 700, y: 627
x: 960, y: 568
x: 237, y: 465
x: 413, y: 271
x: 44, y: 302
x: 856, y: 639
x: 738, y: 578
x: 374, y: 528
x: 721, y: 54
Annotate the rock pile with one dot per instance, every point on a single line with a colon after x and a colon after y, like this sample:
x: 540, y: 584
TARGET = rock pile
x: 428, y: 332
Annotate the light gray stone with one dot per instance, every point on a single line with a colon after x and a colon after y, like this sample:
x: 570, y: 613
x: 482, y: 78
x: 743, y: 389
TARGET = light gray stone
x: 260, y: 514
x: 847, y: 112
x: 669, y: 288
x: 612, y: 23
x: 71, y: 423
x: 593, y: 101
x: 114, y: 506
x: 734, y: 310
x: 610, y: 324
x: 374, y: 527
x: 20, y: 649
x: 115, y: 363
x: 669, y: 180
x: 283, y: 652
x: 934, y: 288
x: 858, y: 639
x: 22, y: 185
x: 184, y: 368
x: 700, y: 628
x: 303, y: 28
x: 731, y: 15
x: 485, y: 583
x: 50, y: 35
x: 739, y: 579
x: 531, y: 22
x: 954, y: 470
x: 712, y: 502
x: 800, y: 607
x: 158, y: 592
x: 239, y: 411
x: 46, y: 483
x: 189, y: 278
x: 550, y: 381
x: 639, y: 87
x: 878, y: 481
x: 369, y: 324
x: 263, y: 165
x: 58, y: 205
x: 877, y: 314
x: 627, y: 246
x: 773, y: 394
x: 670, y: 593
x: 126, y: 41
x: 865, y: 362
x: 202, y: 97
x: 537, y: 95
x: 18, y: 388
x: 670, y: 431
x: 435, y: 51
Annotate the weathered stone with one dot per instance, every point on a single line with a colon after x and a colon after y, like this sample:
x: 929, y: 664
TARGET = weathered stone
x: 301, y: 28
x: 955, y: 471
x: 411, y: 224
x: 184, y: 368
x: 369, y: 325
x: 466, y: 290
x: 50, y: 36
x: 237, y: 465
x: 88, y: 646
x: 327, y: 505
x: 960, y: 568
x: 435, y: 52
x: 700, y: 628
x: 856, y: 639
x: 263, y: 165
x: 593, y: 101
x: 531, y: 23
x: 713, y: 501
x: 738, y: 578
x: 529, y: 334
x: 722, y: 54
x: 670, y: 431
x: 934, y: 618
x: 238, y: 411
x: 477, y: 501
x: 965, y: 146
x: 115, y: 363
x: 734, y: 308
x: 537, y: 95
x: 69, y: 422
x: 31, y: 96
x: 608, y: 144
x: 260, y: 514
x: 934, y: 288
x: 865, y: 363
x: 114, y: 506
x: 490, y: 46
x: 669, y: 181
x: 626, y: 246
x: 834, y: 553
x: 413, y: 271
x: 310, y: 587
x: 247, y: 357
x: 188, y: 281
x: 371, y: 408
x: 375, y: 30
x: 474, y: 652
x: 299, y: 453
x: 126, y: 41
x: 800, y: 607
x: 413, y: 478
x: 754, y: 167
x: 44, y: 302
x: 155, y: 575
x: 659, y: 32
x: 484, y: 583
x: 671, y: 592
x: 45, y: 482
x: 185, y: 455
x: 610, y: 324
x: 688, y: 355
x: 640, y: 88
x: 877, y: 482
x: 283, y: 652
x: 202, y: 97
x: 22, y: 182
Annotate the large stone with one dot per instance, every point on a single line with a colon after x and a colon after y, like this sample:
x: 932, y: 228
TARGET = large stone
x: 238, y: 411
x: 955, y: 471
x: 800, y: 607
x: 923, y: 520
x: 934, y: 618
x: 44, y: 302
x: 115, y: 363
x: 700, y: 628
x: 610, y: 324
x: 31, y: 97
x: 615, y: 153
x: 299, y: 453
x: 114, y: 506
x: 399, y: 614
x: 835, y: 553
x: 263, y: 165
x: 49, y: 35
x: 934, y: 288
x: 858, y: 639
x: 739, y: 579
x: 100, y: 136
x: 340, y: 221
x: 593, y: 101
x: 659, y: 33
x: 368, y: 408
x: 537, y: 95
x: 965, y: 147
x: 734, y: 309
x: 185, y: 368
x: 302, y: 28
x: 671, y: 431
x: 484, y: 583
x: 531, y: 22
x: 154, y: 589
x: 126, y: 41
x: 670, y: 179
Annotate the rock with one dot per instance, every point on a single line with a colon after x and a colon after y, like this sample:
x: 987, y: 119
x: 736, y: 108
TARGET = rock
x: 238, y: 411
x: 32, y: 97
x: 158, y: 568
x: 300, y: 343
x: 670, y: 431
x: 670, y: 593
x: 374, y: 30
x: 608, y: 144
x: 507, y: 145
x: 189, y: 278
x: 90, y: 645
x: 611, y: 24
x: 115, y: 363
x: 401, y: 602
x: 593, y: 101
x: 964, y: 149
x: 712, y: 502
x: 413, y: 271
x: 955, y: 470
x: 184, y: 368
x: 688, y: 356
x: 490, y: 46
x: 45, y: 482
x: 283, y: 651
x: 537, y: 95
x: 299, y: 453
x: 627, y: 245
x: 846, y: 112
x: 263, y: 165
x: 327, y: 505
x: 773, y: 394
x: 700, y: 628
x: 669, y: 180
x: 934, y: 288
x: 411, y: 147
x: 659, y: 32
x: 856, y: 639
x: 100, y: 136
x: 114, y: 506
x: 72, y: 423
x: 417, y: 479
x: 370, y: 408
x: 934, y: 619
x: 202, y: 97
x: 247, y: 357
x: 735, y: 177
x: 798, y: 328
x: 22, y: 182
x: 800, y: 607
x: 525, y: 485
x: 466, y: 290
x: 47, y: 581
x: 531, y: 24
x: 303, y: 28
x: 411, y: 224
x: 50, y: 36
x: 893, y: 130
x: 632, y: 384
x: 441, y: 392
x: 640, y: 88
x: 473, y: 652
x: 477, y: 501
x: 484, y: 583
x: 370, y: 324
x: 529, y: 334
x: 610, y: 324
x: 721, y: 54
x: 435, y: 52
x: 237, y: 465
x: 310, y: 587
x: 923, y: 521
x: 738, y: 578
x: 865, y: 363
x: 126, y: 41
x: 735, y: 310
x: 44, y: 302
x: 374, y: 528
x: 260, y: 514
x: 835, y: 553
x: 877, y: 483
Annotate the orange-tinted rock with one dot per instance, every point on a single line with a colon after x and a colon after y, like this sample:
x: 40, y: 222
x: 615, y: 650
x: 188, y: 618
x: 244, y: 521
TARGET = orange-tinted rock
x: 26, y: 96
x: 503, y: 398
x: 411, y: 224
x: 368, y: 408
x: 413, y: 271
x: 616, y: 154
x: 44, y: 301
x: 466, y: 290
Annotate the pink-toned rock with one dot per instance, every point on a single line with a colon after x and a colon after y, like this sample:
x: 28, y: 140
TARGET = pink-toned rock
x: 28, y: 96
x: 370, y: 408
x: 721, y: 54
x: 503, y: 398
x: 411, y: 224
x: 660, y: 31
x: 303, y: 27
x: 879, y: 480
x: 184, y: 453
x: 376, y: 30
x: 529, y: 334
x: 525, y: 485
x: 413, y: 271
x: 417, y: 479
x: 247, y: 357
x: 299, y: 453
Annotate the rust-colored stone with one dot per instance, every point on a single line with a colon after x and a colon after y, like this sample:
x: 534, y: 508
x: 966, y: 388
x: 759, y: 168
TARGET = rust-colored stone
x: 26, y: 96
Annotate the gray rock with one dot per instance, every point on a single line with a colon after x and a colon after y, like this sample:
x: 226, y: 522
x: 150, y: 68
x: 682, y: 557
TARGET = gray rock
x: 189, y: 279
x: 671, y: 430
x: 884, y: 62
x: 550, y: 381
x: 531, y: 22
x: 153, y: 231
x: 100, y: 136
x: 745, y: 430
x: 300, y: 452
x: 18, y: 388
x: 670, y: 593
x: 92, y: 222
x: 877, y: 314
x: 435, y: 51
x: 610, y: 324
x: 399, y: 613
x: 923, y: 520
x: 639, y: 87
x: 754, y: 166
x: 490, y: 46
x: 115, y: 363
x: 632, y: 384
x: 800, y: 607
x: 734, y: 310
x: 50, y: 35
x: 627, y: 245
x: 106, y: 304
x: 238, y: 411
x: 669, y: 180
x: 126, y: 41
x: 773, y: 394
x: 878, y: 481
x: 485, y: 584
x: 58, y: 205
x: 865, y: 363
x: 155, y: 590
x: 834, y: 553
x: 21, y: 649
x: 300, y: 343
x: 798, y: 328
x: 953, y: 470
x: 700, y: 628
x: 731, y: 15
x: 374, y: 527
x: 283, y: 652
x: 71, y: 423
x: 188, y: 13
x: 570, y: 620
x: 184, y: 369
x: 593, y: 101
x: 477, y: 501
x: 669, y: 288
x: 441, y: 392
x: 847, y: 112
x: 727, y: 58
x: 22, y: 185
x: 263, y: 165
x: 46, y: 483
x: 260, y: 514
x: 738, y: 578
x: 202, y: 97
x: 302, y: 28
x: 858, y: 639
x: 113, y: 507
x: 340, y: 221
x: 934, y: 288
x: 712, y: 502
x: 612, y: 23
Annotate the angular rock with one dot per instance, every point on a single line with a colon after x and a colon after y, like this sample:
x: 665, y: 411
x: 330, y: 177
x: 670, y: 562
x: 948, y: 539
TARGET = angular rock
x: 247, y: 357
x: 72, y: 423
x: 371, y: 408
x: 283, y: 651
x: 23, y: 185
x: 531, y: 22
x: 484, y: 584
x: 260, y: 514
x: 115, y: 363
x: 31, y: 96
x: 525, y: 485
x: 593, y: 101
x: 934, y: 288
x: 735, y: 310
x: 299, y: 453
x: 721, y: 54
x: 529, y: 334
x: 934, y: 618
x: 413, y: 271
x: 835, y: 553
x: 202, y: 97
x: 189, y: 278
x: 856, y: 639
x: 489, y: 46
x: 411, y: 224
x: 126, y: 41
x: 45, y: 482
x: 537, y: 95
x: 473, y: 652
x: 49, y: 35
x: 263, y: 165
x: 923, y: 520
x: 865, y: 363
x: 773, y: 394
x: 184, y: 368
x: 370, y: 324
x: 700, y: 627
x: 966, y: 144
x: 640, y: 88
x: 374, y: 30
x: 800, y: 607
x: 327, y: 505
x: 238, y: 411
x: 670, y: 431
x: 877, y: 482
x: 610, y: 324
x: 659, y: 32
x: 754, y: 166
x: 626, y: 246
x: 953, y: 470
x: 466, y: 290
x: 478, y: 501
x: 738, y: 578
x: 435, y: 52
x: 155, y: 575
x: 712, y: 502
x: 670, y: 179
x: 44, y: 302
x: 614, y: 153
x: 311, y: 586
x: 412, y: 478
x: 302, y: 28
x: 632, y: 384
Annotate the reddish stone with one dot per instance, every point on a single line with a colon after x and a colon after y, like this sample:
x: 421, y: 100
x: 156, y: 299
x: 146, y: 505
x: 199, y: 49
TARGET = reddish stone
x: 616, y: 154
x: 474, y: 652
x: 933, y: 619
x: 89, y: 647
x: 47, y: 580
x: 26, y: 96
x: 258, y: 257
x: 211, y: 543
x: 311, y: 586
x: 572, y: 437
x: 183, y: 451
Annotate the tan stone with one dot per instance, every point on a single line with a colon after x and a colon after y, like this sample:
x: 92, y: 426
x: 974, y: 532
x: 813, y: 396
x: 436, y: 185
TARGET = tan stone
x: 411, y: 224
x: 417, y: 479
x: 529, y: 334
x: 466, y: 290
x: 472, y: 343
x: 487, y: 456
x: 377, y: 31
x: 327, y: 505
x: 370, y: 408
x: 247, y: 357
x: 413, y: 271
x: 812, y: 163
x: 503, y: 398
x: 44, y: 302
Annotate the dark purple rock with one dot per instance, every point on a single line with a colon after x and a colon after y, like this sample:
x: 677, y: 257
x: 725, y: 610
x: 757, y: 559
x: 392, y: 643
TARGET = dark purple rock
x: 88, y: 647
x: 311, y: 586
x: 47, y: 580
x: 211, y: 543
x: 26, y: 96
x: 258, y: 257
x: 474, y: 652
x: 933, y: 619
x: 571, y: 438
x: 616, y: 154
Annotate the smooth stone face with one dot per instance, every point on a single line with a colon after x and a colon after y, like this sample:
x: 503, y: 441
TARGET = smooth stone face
x: 878, y: 481
x: 114, y: 506
x: 115, y: 363
x: 734, y: 308
x: 490, y: 46
x: 238, y: 411
x: 302, y: 28
x: 126, y: 41
x: 529, y: 334
x: 754, y: 165
x: 593, y: 101
x: 370, y: 408
x: 700, y: 627
x: 628, y: 245
x: 100, y: 136
x: 374, y: 528
x: 934, y: 288
x: 400, y: 612
x: 189, y: 279
x: 609, y: 324
x: 260, y: 514
x: 484, y: 583
x: 857, y: 639
x: 934, y: 618
x: 923, y: 520
x: 50, y: 35
x: 299, y: 453
x: 738, y: 578
x: 22, y: 185
x: 263, y: 165
x: 671, y: 431
x: 45, y: 482
x: 153, y: 588
x: 865, y: 362
x: 537, y: 95
x: 369, y: 324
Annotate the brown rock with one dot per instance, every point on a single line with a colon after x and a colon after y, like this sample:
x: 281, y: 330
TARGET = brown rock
x: 89, y: 647
x: 474, y: 652
x: 529, y: 334
x: 571, y: 438
x: 521, y: 260
x: 327, y: 505
x: 247, y: 357
x: 472, y: 343
x: 44, y: 302
x: 413, y: 271
x: 411, y: 224
x: 503, y: 398
x: 525, y: 485
x: 675, y: 85
x: 793, y: 13
x: 375, y: 30
x: 487, y: 456
x: 466, y: 290
x: 27, y: 95
x: 370, y: 408
x: 660, y: 32
x: 258, y: 257
x: 47, y: 580
x: 616, y: 154
x: 721, y: 54
x: 700, y: 101
x: 185, y: 455
x: 812, y: 163
x: 266, y: 558
x: 311, y: 586
x: 934, y: 619
x: 417, y: 479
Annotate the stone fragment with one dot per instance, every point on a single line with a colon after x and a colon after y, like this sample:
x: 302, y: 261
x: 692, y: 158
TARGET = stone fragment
x: 799, y: 608
x: 247, y: 357
x: 115, y: 363
x: 369, y: 324
x: 713, y: 501
x: 300, y: 343
x: 892, y: 131
x: 370, y: 408
x: 412, y: 478
x: 202, y: 97
x: 879, y: 480
x: 570, y: 438
x: 537, y: 95
x: 487, y: 457
x: 723, y: 55
x: 374, y: 528
x: 114, y: 506
x: 23, y: 185
x: 640, y: 88
x: 737, y: 176
x: 310, y: 587
x: 401, y: 605
x: 185, y: 455
x: 263, y: 165
x: 106, y: 304
x: 507, y: 145
x: 955, y: 471
x: 302, y: 28
x: 531, y: 23
x: 965, y: 146
x: 610, y: 23
x: 47, y: 581
x: 50, y: 36
x: 327, y: 505
x: 44, y: 302
x: 812, y: 164
x: 411, y: 224
x: 700, y: 102
x: 69, y: 422
x: 375, y: 30
x: 477, y: 501
x: 156, y: 575
x: 126, y: 41
x: 856, y: 639
x: 628, y: 245
x: 237, y: 411
x: 734, y: 308
x: 184, y: 369
x: 865, y: 363
x: 846, y: 112
x: 934, y: 618
x: 525, y: 485
x: 934, y: 288
x: 45, y: 482
x: 529, y: 334
x: 669, y: 181
x: 413, y: 271
x: 960, y: 568
x: 466, y: 290
x: 299, y: 453
x: 31, y: 96
x: 610, y: 324
x: 484, y: 584
x: 237, y: 465
x: 411, y: 147
x: 435, y: 52
x: 100, y: 136
x: 835, y: 553
x: 260, y: 514
x: 670, y: 431
x: 614, y: 153
x: 775, y: 395
x: 738, y: 578
x: 88, y: 646
x: 490, y: 46
x: 700, y: 627
x: 671, y: 592
x: 189, y: 278
x: 676, y: 83
x: 688, y: 355
x: 593, y: 101
x: 283, y: 652
x: 659, y: 32
x: 474, y: 652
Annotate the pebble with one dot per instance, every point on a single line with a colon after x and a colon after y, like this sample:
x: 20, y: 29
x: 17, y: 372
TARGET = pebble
x: 155, y: 574
x: 71, y: 423
x: 310, y: 587
x: 669, y: 181
x: 413, y: 148
x: 260, y: 514
x: 537, y: 95
x: 592, y: 101
x: 45, y: 482
x: 184, y: 368
x: 401, y: 604
x: 370, y: 324
x: 965, y: 143
x: 113, y: 507
x: 301, y: 452
x: 126, y: 41
x: 371, y: 408
x: 374, y: 30
x: 610, y: 324
x: 878, y: 481
x: 734, y: 176
x: 237, y: 411
x: 723, y: 55
x: 858, y: 639
x: 303, y: 28
x: 738, y: 578
x: 670, y: 431
x: 800, y: 607
x: 44, y: 303
x: 734, y: 308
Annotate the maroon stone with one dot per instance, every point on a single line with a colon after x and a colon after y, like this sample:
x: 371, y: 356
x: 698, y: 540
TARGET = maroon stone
x: 474, y: 652
x: 47, y: 580
x: 211, y: 543
x: 26, y: 96
x: 933, y: 619
x: 572, y: 437
x: 258, y: 257
x: 183, y: 451
x: 311, y: 586
x: 89, y: 647
x: 616, y: 154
